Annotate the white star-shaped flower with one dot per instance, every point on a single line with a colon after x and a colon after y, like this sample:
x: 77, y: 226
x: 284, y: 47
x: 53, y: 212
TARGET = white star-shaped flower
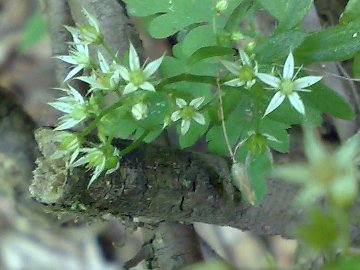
x: 288, y: 86
x: 188, y: 112
x: 100, y: 159
x: 137, y: 77
x: 74, y: 107
x: 245, y: 71
x: 78, y: 57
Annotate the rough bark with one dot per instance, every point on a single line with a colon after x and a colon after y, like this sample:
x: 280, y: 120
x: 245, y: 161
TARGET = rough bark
x: 156, y: 184
x: 57, y: 14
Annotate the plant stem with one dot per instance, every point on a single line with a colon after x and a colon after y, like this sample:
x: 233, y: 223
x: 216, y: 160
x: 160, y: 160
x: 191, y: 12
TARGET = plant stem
x: 110, y: 52
x: 93, y: 124
x: 135, y: 144
x: 223, y: 123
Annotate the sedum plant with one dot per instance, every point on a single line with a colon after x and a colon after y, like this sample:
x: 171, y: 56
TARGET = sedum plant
x: 214, y: 86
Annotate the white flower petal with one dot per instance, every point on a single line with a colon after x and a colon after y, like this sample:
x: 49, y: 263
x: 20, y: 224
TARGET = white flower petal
x: 288, y: 71
x: 147, y: 86
x: 68, y: 124
x: 81, y: 161
x: 98, y: 170
x: 105, y: 68
x: 305, y: 82
x: 234, y: 83
x: 185, y: 125
x: 249, y: 84
x: 92, y: 21
x: 197, y: 102
x: 67, y: 59
x: 129, y: 88
x: 296, y: 102
x: 233, y: 68
x: 61, y: 106
x: 85, y: 50
x: 73, y: 72
x: 244, y: 58
x: 269, y: 79
x: 198, y: 117
x: 152, y: 67
x: 275, y: 102
x: 134, y: 61
x: 124, y: 73
x: 181, y: 103
x: 176, y: 116
x: 74, y: 156
x: 76, y: 94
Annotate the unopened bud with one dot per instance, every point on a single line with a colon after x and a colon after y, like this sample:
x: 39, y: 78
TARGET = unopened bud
x: 139, y: 111
x: 221, y: 6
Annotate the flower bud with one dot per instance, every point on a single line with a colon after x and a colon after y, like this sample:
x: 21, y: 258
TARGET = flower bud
x: 139, y: 111
x: 221, y: 6
x: 241, y: 180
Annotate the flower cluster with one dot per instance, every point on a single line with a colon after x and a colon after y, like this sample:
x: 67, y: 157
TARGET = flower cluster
x: 121, y: 91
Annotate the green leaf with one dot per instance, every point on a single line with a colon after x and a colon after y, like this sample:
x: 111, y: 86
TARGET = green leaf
x: 118, y: 124
x: 288, y: 12
x: 171, y: 67
x: 208, y: 52
x: 236, y: 16
x: 336, y: 43
x: 351, y: 12
x: 179, y: 15
x: 33, y: 31
x: 175, y: 15
x: 198, y: 37
x: 215, y: 137
x: 158, y: 108
x: 277, y: 130
x: 356, y: 65
x: 258, y: 171
x: 276, y: 47
x: 328, y: 101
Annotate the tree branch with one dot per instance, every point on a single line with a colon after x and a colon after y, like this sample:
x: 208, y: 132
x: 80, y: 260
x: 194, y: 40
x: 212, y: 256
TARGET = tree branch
x: 155, y: 184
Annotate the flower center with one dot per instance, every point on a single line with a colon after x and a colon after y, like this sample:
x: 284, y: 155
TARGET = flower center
x: 246, y: 73
x: 79, y: 111
x: 81, y: 58
x: 96, y: 158
x: 187, y: 112
x: 286, y: 86
x: 137, y: 77
x: 90, y: 34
